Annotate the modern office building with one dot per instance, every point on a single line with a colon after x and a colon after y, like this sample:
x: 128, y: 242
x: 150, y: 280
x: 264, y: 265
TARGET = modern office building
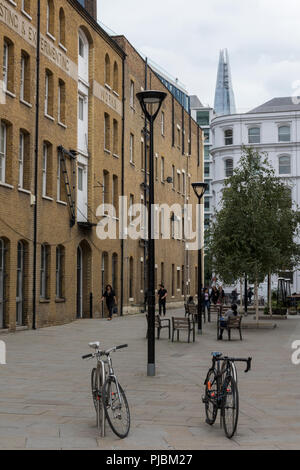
x: 177, y: 89
x: 224, y: 96
x: 203, y: 115
x: 274, y: 128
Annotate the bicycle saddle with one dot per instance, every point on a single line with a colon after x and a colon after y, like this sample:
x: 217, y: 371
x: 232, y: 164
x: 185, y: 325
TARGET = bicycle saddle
x: 95, y: 345
x: 217, y: 354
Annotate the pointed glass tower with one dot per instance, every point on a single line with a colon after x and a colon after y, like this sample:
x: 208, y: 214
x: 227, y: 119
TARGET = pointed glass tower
x: 224, y: 97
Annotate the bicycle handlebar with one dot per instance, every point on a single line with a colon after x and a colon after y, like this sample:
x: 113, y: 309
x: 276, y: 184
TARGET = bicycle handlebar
x: 105, y: 353
x: 88, y: 356
x: 233, y: 359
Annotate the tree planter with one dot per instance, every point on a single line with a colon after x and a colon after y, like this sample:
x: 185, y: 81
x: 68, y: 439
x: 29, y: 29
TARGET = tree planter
x: 280, y: 311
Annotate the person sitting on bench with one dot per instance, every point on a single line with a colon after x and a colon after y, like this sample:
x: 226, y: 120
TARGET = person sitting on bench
x: 223, y: 320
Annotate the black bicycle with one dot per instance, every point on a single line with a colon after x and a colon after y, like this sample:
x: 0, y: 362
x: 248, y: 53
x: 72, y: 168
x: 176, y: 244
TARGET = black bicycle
x: 221, y: 392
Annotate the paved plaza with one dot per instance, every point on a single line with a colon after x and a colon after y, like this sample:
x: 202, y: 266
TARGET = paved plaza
x: 45, y: 399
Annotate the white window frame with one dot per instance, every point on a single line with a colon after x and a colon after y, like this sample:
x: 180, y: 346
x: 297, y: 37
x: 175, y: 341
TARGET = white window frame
x: 5, y: 64
x: 280, y: 127
x: 58, y: 178
x: 44, y: 170
x: 3, y: 150
x: 131, y: 148
x: 46, y: 93
x: 290, y: 164
x: 21, y: 160
x: 226, y: 168
x: 131, y: 93
x: 22, y: 84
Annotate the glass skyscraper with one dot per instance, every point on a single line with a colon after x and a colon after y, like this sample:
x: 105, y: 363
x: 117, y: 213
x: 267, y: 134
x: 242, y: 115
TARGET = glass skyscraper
x: 224, y: 97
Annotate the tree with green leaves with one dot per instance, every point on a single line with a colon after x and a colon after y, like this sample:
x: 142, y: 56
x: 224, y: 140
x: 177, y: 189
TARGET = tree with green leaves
x: 255, y: 230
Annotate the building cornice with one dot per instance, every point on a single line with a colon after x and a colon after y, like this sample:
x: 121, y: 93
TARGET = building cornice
x: 275, y: 145
x: 93, y: 23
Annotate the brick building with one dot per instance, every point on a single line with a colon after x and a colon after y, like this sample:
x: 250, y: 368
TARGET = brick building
x: 86, y: 149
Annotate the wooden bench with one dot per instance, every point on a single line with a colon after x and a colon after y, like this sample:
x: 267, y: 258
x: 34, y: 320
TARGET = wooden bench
x: 233, y: 323
x: 183, y: 324
x: 160, y: 324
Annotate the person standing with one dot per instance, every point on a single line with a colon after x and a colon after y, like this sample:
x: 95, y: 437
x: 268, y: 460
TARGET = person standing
x: 111, y: 300
x: 162, y: 299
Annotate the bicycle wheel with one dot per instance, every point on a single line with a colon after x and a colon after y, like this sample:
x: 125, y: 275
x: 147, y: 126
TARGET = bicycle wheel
x: 211, y: 396
x: 116, y: 407
x: 230, y: 406
x: 96, y: 383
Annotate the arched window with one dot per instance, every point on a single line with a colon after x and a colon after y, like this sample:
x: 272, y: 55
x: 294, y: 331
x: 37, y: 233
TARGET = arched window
x: 50, y: 17
x: 8, y: 65
x: 62, y: 27
x: 284, y: 134
x: 285, y: 165
x: 107, y: 70
x: 116, y: 78
x: 228, y: 167
x: 254, y: 135
x: 228, y: 136
x: 83, y: 56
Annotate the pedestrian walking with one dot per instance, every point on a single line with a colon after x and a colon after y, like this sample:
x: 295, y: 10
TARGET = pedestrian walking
x: 206, y: 303
x: 221, y: 297
x: 234, y: 296
x: 214, y: 295
x: 250, y: 295
x: 111, y: 300
x: 162, y: 299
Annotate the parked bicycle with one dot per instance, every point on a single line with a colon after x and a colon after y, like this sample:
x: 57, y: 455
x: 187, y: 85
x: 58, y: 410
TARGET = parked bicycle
x: 108, y: 396
x: 221, y: 392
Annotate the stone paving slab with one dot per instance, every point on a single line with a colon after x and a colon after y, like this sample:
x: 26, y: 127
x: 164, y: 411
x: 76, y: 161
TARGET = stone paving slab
x: 45, y: 399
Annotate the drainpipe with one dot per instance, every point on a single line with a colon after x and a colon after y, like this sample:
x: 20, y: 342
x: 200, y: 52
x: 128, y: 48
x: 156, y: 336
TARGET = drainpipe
x: 123, y: 184
x: 145, y: 195
x: 37, y: 106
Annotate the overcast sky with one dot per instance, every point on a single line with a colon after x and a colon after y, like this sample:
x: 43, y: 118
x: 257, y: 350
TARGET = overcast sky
x: 184, y: 37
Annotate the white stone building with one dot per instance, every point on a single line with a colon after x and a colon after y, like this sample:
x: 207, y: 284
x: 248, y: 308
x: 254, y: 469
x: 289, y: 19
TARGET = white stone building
x: 273, y: 127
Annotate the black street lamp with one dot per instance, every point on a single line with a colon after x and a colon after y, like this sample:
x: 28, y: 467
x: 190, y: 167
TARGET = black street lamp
x: 151, y: 102
x: 199, y: 189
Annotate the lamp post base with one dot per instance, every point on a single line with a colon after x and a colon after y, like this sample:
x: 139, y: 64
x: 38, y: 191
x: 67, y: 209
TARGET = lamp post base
x: 151, y: 370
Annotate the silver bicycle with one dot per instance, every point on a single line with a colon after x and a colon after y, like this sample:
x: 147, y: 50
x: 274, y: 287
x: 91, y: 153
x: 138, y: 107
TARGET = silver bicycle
x: 108, y: 396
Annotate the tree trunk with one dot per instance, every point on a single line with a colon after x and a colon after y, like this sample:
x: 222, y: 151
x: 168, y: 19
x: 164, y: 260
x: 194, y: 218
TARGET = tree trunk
x: 270, y: 294
x: 256, y: 300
